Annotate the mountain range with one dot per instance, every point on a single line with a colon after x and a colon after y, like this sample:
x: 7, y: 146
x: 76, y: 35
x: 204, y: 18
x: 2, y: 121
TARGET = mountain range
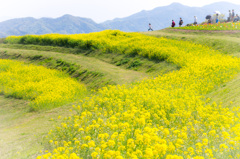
x: 159, y: 17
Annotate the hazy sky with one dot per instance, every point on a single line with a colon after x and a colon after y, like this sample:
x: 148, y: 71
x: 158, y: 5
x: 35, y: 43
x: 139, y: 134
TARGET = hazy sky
x: 97, y: 10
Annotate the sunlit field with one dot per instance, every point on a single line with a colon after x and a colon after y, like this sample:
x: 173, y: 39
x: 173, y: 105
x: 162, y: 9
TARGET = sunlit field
x: 165, y: 117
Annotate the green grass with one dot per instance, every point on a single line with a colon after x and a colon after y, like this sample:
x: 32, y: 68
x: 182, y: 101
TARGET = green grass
x: 21, y: 131
x: 227, y: 94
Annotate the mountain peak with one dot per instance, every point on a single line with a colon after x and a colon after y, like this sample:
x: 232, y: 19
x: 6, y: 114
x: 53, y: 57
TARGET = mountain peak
x: 175, y: 4
x: 67, y: 16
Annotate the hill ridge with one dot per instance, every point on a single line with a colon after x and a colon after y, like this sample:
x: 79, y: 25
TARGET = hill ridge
x: 160, y: 17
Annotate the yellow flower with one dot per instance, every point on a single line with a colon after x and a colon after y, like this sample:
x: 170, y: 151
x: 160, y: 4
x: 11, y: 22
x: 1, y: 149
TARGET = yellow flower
x: 87, y: 138
x: 91, y: 144
x: 84, y: 146
x: 111, y: 143
x: 94, y: 154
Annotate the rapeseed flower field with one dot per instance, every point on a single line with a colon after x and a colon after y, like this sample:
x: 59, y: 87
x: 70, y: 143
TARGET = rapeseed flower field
x: 218, y: 26
x: 44, y: 88
x: 165, y: 117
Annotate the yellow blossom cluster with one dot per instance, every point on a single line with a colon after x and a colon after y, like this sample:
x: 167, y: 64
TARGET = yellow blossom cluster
x: 166, y: 117
x: 44, y: 88
x: 217, y: 26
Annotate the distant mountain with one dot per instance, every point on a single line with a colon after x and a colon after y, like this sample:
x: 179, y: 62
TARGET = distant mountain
x: 162, y: 17
x: 159, y: 17
x: 66, y: 24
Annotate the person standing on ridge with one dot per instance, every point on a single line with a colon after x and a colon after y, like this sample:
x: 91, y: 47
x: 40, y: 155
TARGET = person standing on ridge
x: 150, y: 27
x: 173, y: 24
x: 217, y: 18
x: 195, y: 20
x: 233, y: 14
x: 230, y: 16
x: 180, y: 22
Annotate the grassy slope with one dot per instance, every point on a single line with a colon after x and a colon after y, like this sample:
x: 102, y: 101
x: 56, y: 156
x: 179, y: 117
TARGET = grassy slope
x: 21, y: 131
x: 227, y: 43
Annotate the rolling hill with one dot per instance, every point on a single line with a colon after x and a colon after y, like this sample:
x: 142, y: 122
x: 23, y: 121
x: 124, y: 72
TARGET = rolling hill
x: 66, y: 24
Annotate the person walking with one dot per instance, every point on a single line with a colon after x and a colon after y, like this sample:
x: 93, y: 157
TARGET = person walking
x: 150, y: 27
x: 195, y: 20
x: 173, y: 24
x: 180, y: 22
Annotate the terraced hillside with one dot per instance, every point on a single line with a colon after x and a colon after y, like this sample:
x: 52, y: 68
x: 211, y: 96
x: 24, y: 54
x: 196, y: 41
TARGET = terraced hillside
x: 163, y: 108
x: 94, y: 69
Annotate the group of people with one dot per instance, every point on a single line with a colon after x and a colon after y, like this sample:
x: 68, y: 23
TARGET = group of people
x: 180, y: 22
x: 232, y: 17
x: 173, y: 23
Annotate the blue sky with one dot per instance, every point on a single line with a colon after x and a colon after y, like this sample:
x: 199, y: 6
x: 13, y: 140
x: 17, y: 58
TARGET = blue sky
x: 97, y: 10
